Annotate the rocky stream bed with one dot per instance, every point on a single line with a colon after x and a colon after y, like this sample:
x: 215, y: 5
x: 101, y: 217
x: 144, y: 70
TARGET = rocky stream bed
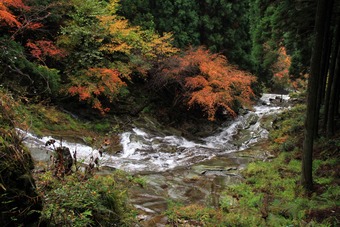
x: 178, y: 169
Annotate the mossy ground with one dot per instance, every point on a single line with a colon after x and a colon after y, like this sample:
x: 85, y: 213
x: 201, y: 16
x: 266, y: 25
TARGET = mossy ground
x: 271, y: 194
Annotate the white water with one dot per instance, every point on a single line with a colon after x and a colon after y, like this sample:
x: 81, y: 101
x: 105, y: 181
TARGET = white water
x: 143, y: 151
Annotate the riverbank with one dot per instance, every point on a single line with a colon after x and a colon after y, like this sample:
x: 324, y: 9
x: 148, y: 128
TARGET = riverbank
x: 173, y: 168
x: 270, y: 194
x: 222, y: 189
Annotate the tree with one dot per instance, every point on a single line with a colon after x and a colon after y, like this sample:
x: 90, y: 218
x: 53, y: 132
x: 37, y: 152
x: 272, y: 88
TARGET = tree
x: 313, y: 83
x: 7, y: 17
x: 96, y: 83
x: 329, y: 111
x: 21, y: 72
x: 222, y: 26
x: 207, y: 82
x: 276, y: 24
x: 105, y: 52
x: 333, y: 97
x: 280, y: 68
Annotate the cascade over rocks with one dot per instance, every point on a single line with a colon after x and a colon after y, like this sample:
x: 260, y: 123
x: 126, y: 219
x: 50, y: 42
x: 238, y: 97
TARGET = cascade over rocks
x: 176, y: 166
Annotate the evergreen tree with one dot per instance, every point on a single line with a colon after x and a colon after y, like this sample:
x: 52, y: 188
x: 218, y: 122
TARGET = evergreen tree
x: 313, y: 86
x: 222, y: 26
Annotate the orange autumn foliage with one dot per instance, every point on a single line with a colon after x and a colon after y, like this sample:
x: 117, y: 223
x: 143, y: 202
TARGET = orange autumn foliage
x: 281, y: 140
x: 17, y: 17
x: 211, y: 83
x: 95, y: 84
x: 42, y: 48
x: 6, y: 16
x: 280, y: 69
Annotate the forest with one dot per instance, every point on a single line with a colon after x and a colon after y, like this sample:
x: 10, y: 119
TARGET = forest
x: 194, y: 113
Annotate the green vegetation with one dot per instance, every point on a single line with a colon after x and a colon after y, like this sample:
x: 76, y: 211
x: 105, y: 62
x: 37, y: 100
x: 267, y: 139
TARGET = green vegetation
x: 71, y: 67
x: 222, y: 26
x: 19, y: 201
x: 55, y: 197
x: 44, y: 119
x: 78, y: 201
x: 271, y: 194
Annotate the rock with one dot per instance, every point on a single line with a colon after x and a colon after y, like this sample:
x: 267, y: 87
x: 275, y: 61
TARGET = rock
x: 145, y: 209
x: 64, y: 161
x: 157, y: 221
x: 251, y: 120
x: 142, y: 217
x: 243, y: 111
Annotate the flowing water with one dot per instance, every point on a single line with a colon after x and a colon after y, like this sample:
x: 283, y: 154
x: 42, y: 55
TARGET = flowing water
x: 174, y: 167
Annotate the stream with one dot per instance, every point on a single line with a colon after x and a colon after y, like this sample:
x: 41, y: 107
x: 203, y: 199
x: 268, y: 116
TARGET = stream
x: 178, y: 169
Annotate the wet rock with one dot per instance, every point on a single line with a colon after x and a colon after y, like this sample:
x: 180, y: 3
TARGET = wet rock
x: 195, y: 193
x: 157, y: 221
x: 142, y: 217
x: 145, y: 209
x: 251, y: 120
x: 256, y: 152
x: 297, y: 100
x: 264, y: 103
x: 243, y: 111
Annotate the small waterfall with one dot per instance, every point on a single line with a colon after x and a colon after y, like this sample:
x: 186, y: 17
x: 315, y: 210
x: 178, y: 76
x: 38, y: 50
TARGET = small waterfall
x: 144, y: 151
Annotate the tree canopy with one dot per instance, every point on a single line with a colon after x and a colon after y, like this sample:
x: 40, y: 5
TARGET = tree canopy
x: 92, y: 52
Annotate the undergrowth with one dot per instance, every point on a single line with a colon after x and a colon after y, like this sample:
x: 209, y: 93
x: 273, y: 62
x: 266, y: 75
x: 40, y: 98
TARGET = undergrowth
x: 55, y: 197
x: 79, y: 201
x: 76, y: 196
x: 19, y: 202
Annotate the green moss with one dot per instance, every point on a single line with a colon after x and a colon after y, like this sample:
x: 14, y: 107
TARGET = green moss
x: 271, y: 194
x: 49, y: 118
x: 102, y: 126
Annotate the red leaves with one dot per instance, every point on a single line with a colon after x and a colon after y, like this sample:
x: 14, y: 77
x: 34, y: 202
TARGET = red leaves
x: 210, y: 82
x: 280, y: 69
x: 18, y: 17
x: 43, y: 48
x: 33, y: 25
x: 196, y: 82
x: 82, y: 91
x: 6, y: 16
x: 95, y: 84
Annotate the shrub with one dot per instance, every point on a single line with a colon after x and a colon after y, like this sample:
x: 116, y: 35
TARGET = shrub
x: 75, y: 201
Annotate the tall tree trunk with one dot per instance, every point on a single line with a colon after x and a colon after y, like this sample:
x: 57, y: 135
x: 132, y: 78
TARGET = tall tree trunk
x: 337, y: 94
x: 336, y: 43
x: 313, y: 82
x: 327, y: 45
x: 337, y: 103
x: 333, y: 99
